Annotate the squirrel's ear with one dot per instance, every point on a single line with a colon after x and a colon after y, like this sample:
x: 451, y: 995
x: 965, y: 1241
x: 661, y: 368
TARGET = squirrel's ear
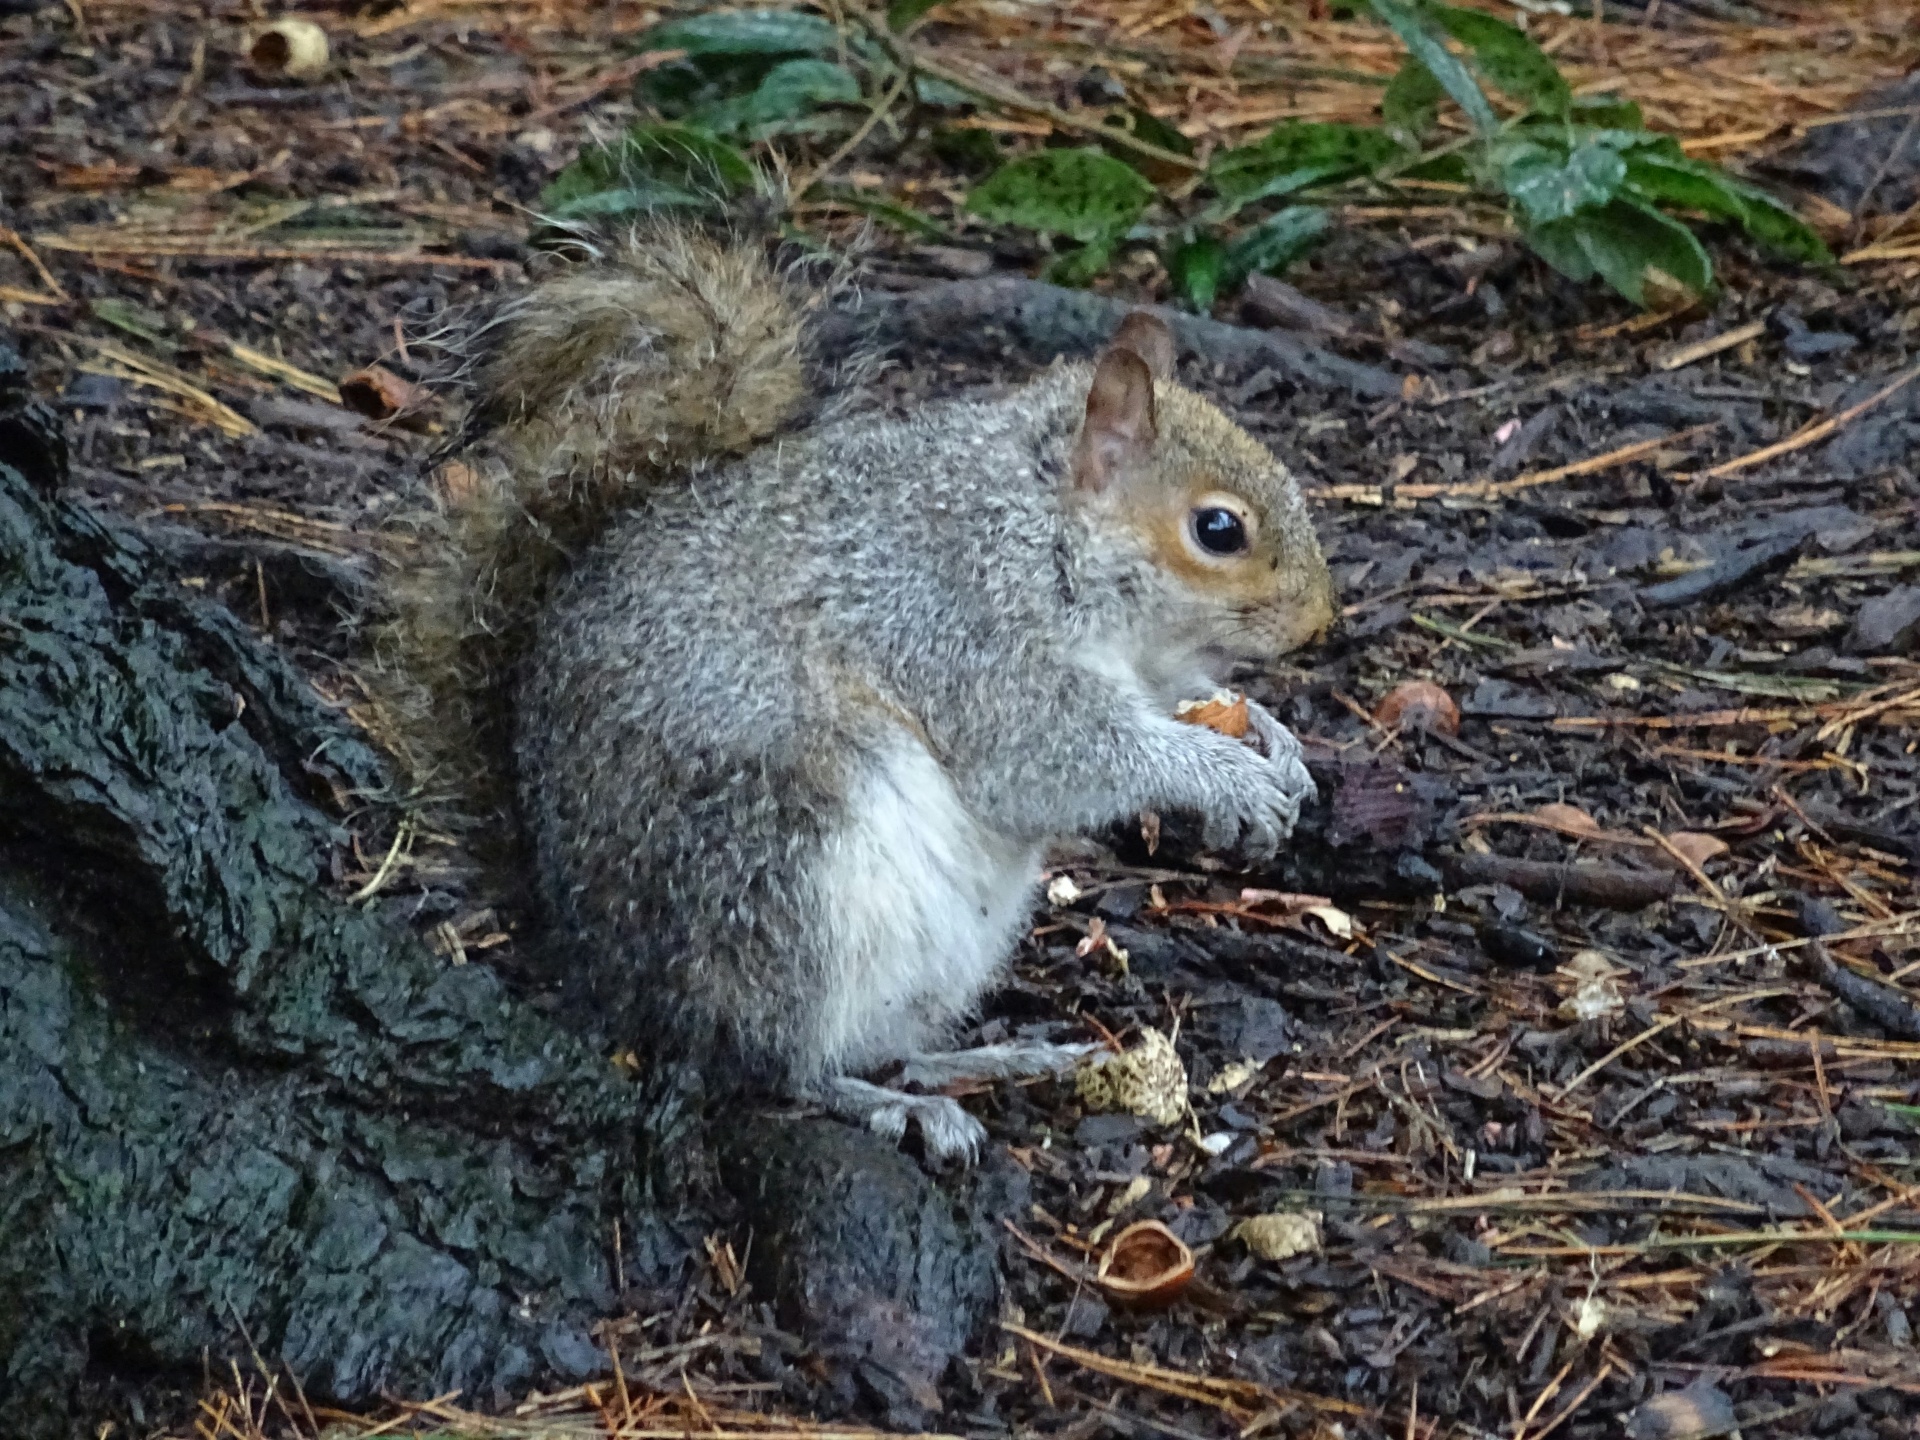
x: 1119, y: 428
x: 1148, y: 336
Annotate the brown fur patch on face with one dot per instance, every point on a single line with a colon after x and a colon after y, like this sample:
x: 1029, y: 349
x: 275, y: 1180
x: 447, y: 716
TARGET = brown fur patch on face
x: 1280, y: 587
x: 1238, y: 581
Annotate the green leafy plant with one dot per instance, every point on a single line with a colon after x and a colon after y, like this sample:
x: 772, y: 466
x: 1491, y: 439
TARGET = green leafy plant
x: 1588, y: 187
x: 749, y: 74
x: 1085, y: 195
x: 737, y: 79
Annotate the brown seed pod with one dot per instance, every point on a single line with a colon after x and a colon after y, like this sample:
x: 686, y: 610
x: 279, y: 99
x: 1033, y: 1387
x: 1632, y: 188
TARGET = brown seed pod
x: 1418, y: 705
x: 1145, y: 1266
x: 379, y: 394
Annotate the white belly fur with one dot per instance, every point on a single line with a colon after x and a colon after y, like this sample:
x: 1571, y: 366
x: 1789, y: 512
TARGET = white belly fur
x: 924, y: 906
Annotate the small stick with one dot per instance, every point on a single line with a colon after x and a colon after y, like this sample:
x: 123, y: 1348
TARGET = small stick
x: 196, y: 72
x: 1000, y: 93
x: 1489, y: 488
x: 852, y: 142
x: 54, y: 288
x: 1540, y: 1401
x: 192, y: 249
x: 1811, y: 435
x: 380, y: 876
x: 1606, y: 1369
x: 1884, y: 1005
x: 1713, y: 345
x: 1723, y: 577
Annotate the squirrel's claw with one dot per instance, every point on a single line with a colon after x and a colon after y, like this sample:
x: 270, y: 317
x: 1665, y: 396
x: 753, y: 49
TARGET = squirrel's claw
x: 947, y: 1131
x: 1282, y: 749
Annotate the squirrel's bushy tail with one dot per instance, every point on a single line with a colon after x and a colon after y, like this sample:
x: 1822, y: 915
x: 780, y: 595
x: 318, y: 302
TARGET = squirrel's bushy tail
x: 596, y: 385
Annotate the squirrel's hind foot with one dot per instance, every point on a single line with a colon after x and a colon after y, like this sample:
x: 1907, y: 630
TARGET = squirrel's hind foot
x: 948, y: 1131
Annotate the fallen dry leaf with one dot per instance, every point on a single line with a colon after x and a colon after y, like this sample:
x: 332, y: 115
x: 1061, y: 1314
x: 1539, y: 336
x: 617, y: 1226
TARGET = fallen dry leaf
x: 1567, y: 818
x: 1697, y: 848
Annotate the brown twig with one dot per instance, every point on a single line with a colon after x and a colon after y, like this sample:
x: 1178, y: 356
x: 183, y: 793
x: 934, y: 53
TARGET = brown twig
x: 827, y: 166
x: 992, y: 88
x: 1229, y: 1395
x: 26, y: 252
x: 1811, y: 435
x: 1489, y: 489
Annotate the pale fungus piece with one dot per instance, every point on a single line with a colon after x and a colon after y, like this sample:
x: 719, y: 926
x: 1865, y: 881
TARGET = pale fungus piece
x: 1137, y: 1190
x: 1590, y: 1317
x: 1282, y: 1235
x: 1233, y: 1076
x: 1596, y: 993
x: 289, y: 49
x: 1148, y: 1081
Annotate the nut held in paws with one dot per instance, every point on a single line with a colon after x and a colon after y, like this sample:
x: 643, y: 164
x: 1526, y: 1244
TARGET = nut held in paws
x: 1224, y: 712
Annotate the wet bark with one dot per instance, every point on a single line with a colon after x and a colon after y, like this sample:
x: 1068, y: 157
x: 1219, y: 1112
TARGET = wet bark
x: 231, y: 1104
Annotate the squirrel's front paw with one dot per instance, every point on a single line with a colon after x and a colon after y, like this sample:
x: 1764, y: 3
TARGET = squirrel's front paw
x: 1260, y: 815
x: 1262, y: 802
x: 1282, y: 749
x: 948, y: 1132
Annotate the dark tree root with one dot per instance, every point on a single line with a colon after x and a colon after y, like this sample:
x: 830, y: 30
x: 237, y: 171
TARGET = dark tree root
x: 861, y: 1247
x: 240, y: 1115
x: 989, y: 318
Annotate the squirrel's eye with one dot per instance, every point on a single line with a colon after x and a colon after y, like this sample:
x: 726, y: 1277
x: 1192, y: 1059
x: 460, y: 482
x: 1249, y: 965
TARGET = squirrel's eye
x: 1219, y: 531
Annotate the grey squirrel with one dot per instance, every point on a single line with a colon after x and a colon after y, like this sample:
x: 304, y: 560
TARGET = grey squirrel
x: 796, y: 715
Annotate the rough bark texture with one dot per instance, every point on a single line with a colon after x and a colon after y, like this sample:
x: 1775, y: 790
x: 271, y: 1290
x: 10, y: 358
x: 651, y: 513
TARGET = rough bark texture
x: 232, y: 1105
